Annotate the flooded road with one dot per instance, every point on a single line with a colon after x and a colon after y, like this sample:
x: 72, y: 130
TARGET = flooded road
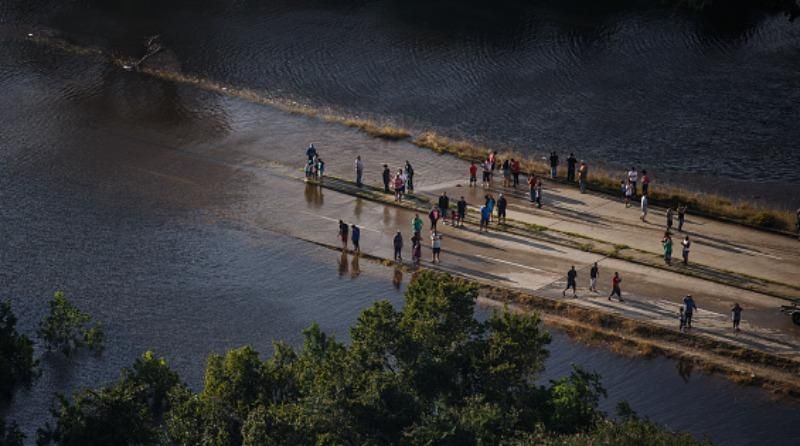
x: 162, y: 211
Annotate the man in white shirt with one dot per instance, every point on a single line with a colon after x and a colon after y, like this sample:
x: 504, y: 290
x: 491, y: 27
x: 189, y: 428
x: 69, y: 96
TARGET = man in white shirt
x: 633, y: 177
x: 359, y: 170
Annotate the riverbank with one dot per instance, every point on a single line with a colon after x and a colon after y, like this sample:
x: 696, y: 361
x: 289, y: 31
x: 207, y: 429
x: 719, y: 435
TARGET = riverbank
x: 601, y: 180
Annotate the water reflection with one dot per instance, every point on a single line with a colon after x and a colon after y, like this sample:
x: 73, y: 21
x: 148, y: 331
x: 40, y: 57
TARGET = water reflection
x: 355, y: 271
x: 343, y: 265
x: 397, y: 278
x: 313, y: 195
x: 685, y: 368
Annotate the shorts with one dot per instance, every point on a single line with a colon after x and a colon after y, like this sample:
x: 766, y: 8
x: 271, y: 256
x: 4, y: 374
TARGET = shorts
x: 461, y: 215
x: 437, y: 250
x: 343, y: 238
x: 501, y: 213
x: 571, y: 284
x: 484, y: 221
x: 593, y: 282
x: 355, y: 242
x: 487, y: 176
x: 473, y: 178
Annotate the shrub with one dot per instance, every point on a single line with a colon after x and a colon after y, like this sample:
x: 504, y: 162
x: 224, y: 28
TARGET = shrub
x: 17, y: 365
x: 67, y: 329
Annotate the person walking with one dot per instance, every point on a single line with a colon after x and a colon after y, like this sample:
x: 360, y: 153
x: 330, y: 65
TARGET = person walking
x: 687, y: 244
x: 532, y: 186
x: 473, y: 174
x: 399, y: 185
x: 666, y: 242
x: 444, y: 206
x: 485, y: 213
x: 409, y: 171
x: 359, y: 170
x: 689, y: 308
x: 515, y: 169
x: 436, y: 246
x: 553, y: 164
x: 593, y: 274
x: 670, y: 216
x: 537, y: 191
x: 572, y: 277
x: 645, y: 183
x: 355, y: 236
x: 462, y: 211
x: 633, y: 177
x: 615, y: 288
x: 644, y: 208
x: 343, y: 233
x: 736, y: 316
x: 502, y: 203
x: 628, y: 194
x: 416, y: 226
x: 682, y: 317
x: 387, y: 178
x: 506, y: 173
x: 571, y: 161
x: 681, y: 216
x: 434, y: 215
x: 398, y: 246
x: 583, y: 175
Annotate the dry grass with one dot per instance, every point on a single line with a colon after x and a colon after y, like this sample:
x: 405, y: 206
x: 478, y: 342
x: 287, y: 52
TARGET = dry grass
x: 605, y: 181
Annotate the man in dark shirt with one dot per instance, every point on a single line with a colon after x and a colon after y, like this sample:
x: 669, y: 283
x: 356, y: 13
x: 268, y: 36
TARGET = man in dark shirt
x: 501, y: 209
x: 571, y: 161
x: 462, y: 211
x: 444, y: 205
x: 398, y: 246
x: 572, y: 277
x: 553, y: 164
x: 689, y: 308
x: 387, y: 176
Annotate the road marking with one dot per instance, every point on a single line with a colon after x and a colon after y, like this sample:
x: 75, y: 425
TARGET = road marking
x: 337, y: 221
x: 518, y: 265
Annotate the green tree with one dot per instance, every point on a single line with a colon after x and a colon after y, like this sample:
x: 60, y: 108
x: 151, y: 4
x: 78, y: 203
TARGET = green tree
x: 17, y: 366
x: 573, y: 402
x: 67, y: 329
x: 125, y: 413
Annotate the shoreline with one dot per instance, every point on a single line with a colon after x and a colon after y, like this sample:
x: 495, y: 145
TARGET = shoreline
x: 601, y: 180
x: 629, y: 337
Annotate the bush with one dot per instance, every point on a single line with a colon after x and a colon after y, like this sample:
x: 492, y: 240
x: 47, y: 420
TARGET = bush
x: 10, y: 435
x: 17, y: 366
x: 67, y: 329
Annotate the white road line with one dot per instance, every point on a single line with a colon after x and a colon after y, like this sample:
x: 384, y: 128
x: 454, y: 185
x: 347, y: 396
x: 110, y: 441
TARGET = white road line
x: 337, y: 221
x: 512, y: 264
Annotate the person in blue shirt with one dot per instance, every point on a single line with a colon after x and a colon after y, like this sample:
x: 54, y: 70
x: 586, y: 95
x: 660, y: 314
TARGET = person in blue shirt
x: 355, y: 236
x: 311, y: 153
x: 689, y: 308
x: 485, y: 214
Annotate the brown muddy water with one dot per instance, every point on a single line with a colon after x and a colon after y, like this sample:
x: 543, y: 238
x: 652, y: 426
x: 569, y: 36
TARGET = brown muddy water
x: 159, y: 209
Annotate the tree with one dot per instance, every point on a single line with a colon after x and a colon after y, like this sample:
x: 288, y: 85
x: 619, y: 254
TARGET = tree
x: 67, y: 329
x: 125, y: 413
x: 574, y: 400
x: 17, y: 366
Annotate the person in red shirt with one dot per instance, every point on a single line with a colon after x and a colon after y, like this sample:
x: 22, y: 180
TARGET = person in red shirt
x: 473, y: 174
x: 615, y: 281
x: 515, y: 168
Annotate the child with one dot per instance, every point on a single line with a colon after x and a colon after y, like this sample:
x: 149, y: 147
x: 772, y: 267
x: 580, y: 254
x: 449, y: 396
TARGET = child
x: 416, y: 252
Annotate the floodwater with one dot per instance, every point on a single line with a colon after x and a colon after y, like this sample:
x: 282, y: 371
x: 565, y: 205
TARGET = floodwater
x: 159, y: 209
x: 702, y: 99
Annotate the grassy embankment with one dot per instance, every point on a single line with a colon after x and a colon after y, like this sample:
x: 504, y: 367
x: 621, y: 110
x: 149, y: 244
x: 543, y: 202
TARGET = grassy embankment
x: 604, y: 181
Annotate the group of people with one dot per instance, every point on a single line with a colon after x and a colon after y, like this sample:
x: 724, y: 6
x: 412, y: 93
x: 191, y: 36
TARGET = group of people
x: 315, y: 167
x: 401, y: 183
x: 416, y: 242
x: 594, y: 274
